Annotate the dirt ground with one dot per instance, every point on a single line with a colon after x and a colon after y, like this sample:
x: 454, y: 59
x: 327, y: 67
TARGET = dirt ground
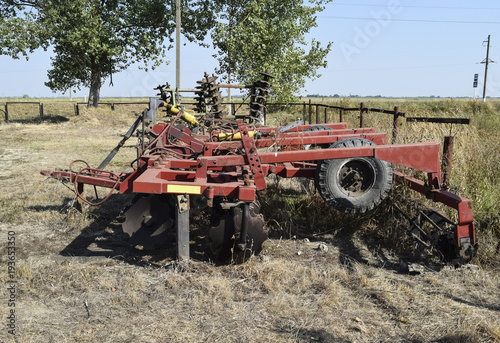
x: 77, y: 280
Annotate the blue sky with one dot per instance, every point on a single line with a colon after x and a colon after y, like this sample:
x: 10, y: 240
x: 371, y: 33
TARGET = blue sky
x: 381, y: 47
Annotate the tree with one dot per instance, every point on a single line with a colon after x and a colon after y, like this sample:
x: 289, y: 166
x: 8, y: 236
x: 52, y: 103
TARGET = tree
x: 93, y: 39
x: 255, y: 35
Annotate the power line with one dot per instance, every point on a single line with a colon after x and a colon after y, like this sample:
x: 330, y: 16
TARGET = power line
x: 416, y: 20
x: 435, y: 7
x: 398, y: 68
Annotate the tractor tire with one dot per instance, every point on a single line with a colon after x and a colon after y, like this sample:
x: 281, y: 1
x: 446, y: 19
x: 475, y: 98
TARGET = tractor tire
x: 353, y: 185
x: 316, y: 128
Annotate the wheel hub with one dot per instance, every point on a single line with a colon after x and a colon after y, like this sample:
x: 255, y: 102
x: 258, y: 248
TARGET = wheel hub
x: 356, y: 177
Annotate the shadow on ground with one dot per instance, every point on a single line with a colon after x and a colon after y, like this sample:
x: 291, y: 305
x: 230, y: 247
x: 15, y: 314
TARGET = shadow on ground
x: 104, y: 237
x: 49, y: 119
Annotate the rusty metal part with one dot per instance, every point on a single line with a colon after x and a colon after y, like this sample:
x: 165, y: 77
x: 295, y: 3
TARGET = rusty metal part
x: 250, y: 232
x: 238, y: 232
x: 436, y: 232
x: 356, y: 177
x: 222, y: 236
x: 258, y: 95
x: 179, y: 162
x: 148, y: 221
x: 208, y: 97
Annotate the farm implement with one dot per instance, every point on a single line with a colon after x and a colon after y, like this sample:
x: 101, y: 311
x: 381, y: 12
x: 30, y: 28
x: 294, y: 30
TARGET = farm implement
x: 201, y: 159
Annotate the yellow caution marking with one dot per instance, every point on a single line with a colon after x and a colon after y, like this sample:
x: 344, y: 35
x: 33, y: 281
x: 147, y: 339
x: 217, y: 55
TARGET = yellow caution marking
x: 181, y: 189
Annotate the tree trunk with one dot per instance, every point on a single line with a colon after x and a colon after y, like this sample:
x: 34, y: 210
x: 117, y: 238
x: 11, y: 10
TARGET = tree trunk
x: 95, y: 88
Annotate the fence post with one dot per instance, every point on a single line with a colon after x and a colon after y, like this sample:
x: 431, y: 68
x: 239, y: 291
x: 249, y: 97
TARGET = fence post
x: 341, y: 115
x: 304, y: 111
x: 233, y: 109
x: 41, y: 110
x: 395, y: 124
x: 361, y: 110
x: 77, y: 110
x: 447, y: 160
x: 310, y: 112
x: 6, y: 112
x: 112, y: 106
x: 317, y: 114
x: 326, y: 115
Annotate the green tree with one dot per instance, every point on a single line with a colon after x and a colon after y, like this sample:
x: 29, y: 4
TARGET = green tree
x: 93, y: 39
x: 255, y: 35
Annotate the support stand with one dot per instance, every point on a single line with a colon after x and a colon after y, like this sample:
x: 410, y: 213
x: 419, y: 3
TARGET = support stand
x: 182, y: 227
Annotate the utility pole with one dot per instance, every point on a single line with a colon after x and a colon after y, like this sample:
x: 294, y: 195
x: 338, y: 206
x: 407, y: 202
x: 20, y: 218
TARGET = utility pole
x: 229, y: 95
x: 486, y: 62
x: 177, y: 48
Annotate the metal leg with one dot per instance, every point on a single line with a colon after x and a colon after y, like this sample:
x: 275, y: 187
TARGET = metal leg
x: 182, y: 227
x: 242, y: 244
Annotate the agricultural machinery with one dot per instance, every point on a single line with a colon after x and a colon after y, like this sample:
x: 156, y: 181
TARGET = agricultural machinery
x: 193, y: 158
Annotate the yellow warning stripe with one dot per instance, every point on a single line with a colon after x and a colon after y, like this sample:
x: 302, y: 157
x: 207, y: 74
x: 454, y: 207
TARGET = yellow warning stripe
x: 181, y: 189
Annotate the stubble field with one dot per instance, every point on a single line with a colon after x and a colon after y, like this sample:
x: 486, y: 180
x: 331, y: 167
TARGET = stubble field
x: 322, y: 277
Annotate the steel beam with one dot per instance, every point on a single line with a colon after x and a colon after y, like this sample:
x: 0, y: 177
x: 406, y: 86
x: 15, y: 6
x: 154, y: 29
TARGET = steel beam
x: 182, y: 227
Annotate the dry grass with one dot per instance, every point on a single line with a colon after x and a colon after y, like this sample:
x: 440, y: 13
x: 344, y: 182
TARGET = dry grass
x: 356, y: 291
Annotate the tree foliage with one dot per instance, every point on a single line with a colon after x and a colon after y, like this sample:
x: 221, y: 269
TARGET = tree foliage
x: 93, y: 39
x: 255, y: 35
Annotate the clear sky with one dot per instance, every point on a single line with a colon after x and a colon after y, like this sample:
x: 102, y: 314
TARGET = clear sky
x: 381, y: 47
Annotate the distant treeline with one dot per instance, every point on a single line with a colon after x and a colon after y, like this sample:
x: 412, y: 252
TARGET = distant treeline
x: 380, y: 96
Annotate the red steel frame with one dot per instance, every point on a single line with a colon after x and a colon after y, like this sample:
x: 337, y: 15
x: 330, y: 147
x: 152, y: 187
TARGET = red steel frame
x: 220, y: 171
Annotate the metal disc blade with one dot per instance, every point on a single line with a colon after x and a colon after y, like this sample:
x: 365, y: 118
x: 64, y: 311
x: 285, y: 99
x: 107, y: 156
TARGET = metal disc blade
x: 148, y: 220
x: 222, y: 236
x: 256, y: 233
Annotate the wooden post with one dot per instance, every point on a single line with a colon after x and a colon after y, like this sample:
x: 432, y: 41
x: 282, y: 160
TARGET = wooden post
x: 341, y: 115
x: 447, y: 161
x: 361, y: 110
x: 326, y: 115
x: 304, y: 111
x: 317, y: 114
x: 41, y: 110
x: 395, y: 124
x: 6, y: 112
x: 310, y: 112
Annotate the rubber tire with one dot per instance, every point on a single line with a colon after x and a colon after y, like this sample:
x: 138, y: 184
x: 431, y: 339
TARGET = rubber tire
x: 329, y: 187
x: 316, y: 128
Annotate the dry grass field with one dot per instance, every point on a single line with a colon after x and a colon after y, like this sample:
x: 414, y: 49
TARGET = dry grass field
x: 322, y: 276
